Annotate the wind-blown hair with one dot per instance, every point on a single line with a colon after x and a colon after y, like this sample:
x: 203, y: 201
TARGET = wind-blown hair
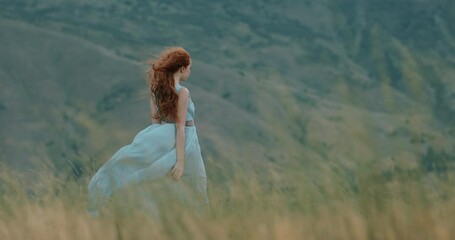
x: 161, y: 81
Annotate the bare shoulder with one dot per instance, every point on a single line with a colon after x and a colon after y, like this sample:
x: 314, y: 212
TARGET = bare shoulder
x: 183, y: 92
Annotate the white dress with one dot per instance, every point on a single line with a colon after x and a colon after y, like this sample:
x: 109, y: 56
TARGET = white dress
x: 148, y: 159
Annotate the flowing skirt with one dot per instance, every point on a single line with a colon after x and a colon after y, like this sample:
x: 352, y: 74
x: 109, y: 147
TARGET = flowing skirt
x: 149, y: 158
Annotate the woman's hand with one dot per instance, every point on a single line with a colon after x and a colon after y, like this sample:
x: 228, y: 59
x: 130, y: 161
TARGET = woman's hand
x: 177, y: 170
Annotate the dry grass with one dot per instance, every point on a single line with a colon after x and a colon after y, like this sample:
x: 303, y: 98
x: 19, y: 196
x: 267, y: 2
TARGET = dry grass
x: 288, y: 206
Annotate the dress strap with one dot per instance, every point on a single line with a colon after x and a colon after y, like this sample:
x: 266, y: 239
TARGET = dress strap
x: 177, y: 87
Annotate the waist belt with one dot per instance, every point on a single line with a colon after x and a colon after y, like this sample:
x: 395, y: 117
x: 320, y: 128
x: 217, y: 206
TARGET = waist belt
x: 187, y: 123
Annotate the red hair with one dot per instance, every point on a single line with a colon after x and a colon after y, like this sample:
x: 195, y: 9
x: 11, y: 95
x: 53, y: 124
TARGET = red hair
x: 161, y: 81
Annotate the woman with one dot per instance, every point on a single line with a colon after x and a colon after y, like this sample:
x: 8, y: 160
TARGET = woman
x: 167, y: 151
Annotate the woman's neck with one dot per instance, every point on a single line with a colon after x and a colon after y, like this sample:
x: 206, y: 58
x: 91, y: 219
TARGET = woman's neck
x: 177, y: 76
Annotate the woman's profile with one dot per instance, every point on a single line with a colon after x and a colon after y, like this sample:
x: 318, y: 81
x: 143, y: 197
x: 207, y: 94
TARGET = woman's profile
x: 167, y: 149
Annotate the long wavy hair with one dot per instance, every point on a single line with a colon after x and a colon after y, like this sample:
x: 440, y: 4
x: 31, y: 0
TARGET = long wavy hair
x: 161, y: 81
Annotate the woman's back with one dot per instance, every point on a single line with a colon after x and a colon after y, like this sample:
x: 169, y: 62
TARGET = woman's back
x: 191, y: 109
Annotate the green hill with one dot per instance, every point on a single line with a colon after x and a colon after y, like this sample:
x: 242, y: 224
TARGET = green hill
x: 281, y: 84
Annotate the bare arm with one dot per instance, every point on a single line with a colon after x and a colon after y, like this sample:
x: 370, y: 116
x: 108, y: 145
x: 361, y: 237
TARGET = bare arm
x: 182, y: 105
x: 153, y: 110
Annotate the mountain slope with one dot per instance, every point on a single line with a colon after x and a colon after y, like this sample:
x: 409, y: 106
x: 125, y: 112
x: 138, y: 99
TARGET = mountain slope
x: 73, y: 105
x: 279, y: 84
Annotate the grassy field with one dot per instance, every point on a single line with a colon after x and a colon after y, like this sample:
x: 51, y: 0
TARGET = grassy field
x: 289, y: 205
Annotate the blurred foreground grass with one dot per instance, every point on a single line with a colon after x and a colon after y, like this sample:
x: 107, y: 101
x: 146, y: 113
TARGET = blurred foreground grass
x: 359, y: 204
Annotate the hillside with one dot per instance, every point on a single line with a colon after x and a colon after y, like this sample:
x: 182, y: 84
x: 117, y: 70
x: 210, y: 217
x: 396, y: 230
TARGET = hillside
x: 281, y: 84
x: 72, y: 115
